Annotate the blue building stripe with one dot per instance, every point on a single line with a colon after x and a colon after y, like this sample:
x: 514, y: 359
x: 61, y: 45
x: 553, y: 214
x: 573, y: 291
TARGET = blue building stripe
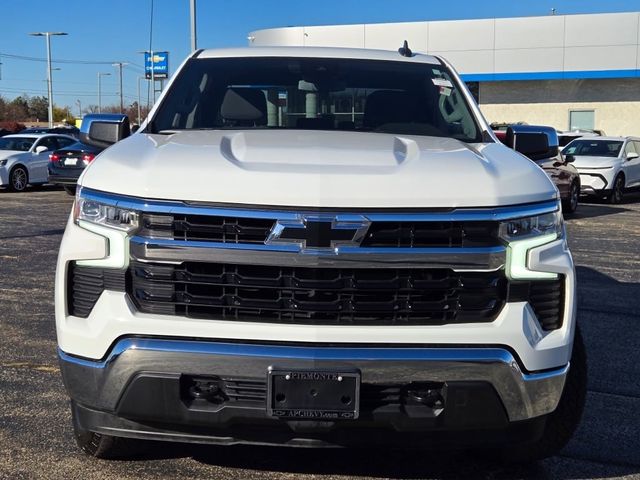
x: 559, y: 75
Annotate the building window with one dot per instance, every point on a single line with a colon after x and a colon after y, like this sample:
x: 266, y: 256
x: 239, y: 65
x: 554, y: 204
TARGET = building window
x: 581, y: 119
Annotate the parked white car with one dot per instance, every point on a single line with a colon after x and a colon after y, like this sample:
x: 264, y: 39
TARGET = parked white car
x: 24, y: 158
x: 608, y: 166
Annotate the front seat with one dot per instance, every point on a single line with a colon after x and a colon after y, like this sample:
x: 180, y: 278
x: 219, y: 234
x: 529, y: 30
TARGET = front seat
x: 388, y: 106
x: 244, y: 107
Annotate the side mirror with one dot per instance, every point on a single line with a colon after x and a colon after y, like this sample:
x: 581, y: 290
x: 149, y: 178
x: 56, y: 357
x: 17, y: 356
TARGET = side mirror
x: 41, y: 148
x: 533, y: 141
x: 569, y: 158
x: 104, y: 129
x: 632, y: 155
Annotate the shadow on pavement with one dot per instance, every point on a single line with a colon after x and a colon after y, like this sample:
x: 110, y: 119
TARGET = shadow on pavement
x: 379, y: 463
x: 592, y: 210
x: 44, y: 233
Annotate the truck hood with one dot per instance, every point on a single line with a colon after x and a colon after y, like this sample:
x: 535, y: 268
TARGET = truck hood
x: 317, y: 169
x: 583, y: 161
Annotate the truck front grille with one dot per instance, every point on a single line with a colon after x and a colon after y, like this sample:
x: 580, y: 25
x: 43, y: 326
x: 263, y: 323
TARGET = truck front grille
x: 86, y: 284
x: 432, y: 234
x: 205, y: 228
x: 317, y: 296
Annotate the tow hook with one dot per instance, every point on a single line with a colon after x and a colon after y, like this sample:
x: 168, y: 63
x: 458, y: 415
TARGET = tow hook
x: 208, y: 390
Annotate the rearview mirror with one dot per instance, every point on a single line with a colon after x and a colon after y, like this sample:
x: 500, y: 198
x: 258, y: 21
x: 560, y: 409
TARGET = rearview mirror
x: 569, y: 158
x: 103, y: 130
x: 41, y: 148
x: 632, y: 155
x: 534, y: 141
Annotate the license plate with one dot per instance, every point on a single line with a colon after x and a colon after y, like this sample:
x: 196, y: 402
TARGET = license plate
x: 313, y: 394
x: 70, y: 161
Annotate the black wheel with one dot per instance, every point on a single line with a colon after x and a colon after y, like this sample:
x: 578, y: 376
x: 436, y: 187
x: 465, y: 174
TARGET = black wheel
x: 18, y: 179
x: 563, y: 422
x: 106, y: 446
x: 617, y: 192
x: 70, y: 189
x: 570, y: 205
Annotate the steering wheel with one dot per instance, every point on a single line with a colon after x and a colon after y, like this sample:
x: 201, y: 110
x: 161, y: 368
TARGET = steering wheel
x: 451, y: 102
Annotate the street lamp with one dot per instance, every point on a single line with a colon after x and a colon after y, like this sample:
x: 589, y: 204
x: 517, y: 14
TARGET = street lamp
x: 120, y: 65
x: 100, y: 75
x: 50, y: 87
x: 139, y: 113
x: 79, y: 108
x: 194, y: 40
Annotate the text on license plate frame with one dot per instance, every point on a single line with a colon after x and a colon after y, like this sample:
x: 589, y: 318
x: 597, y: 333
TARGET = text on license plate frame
x: 309, y: 394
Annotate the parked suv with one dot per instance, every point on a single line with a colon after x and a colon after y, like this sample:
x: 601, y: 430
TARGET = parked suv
x: 559, y: 168
x: 317, y: 247
x: 608, y: 166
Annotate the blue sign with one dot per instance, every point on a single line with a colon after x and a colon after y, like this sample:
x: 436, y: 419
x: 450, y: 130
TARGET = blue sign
x: 159, y: 63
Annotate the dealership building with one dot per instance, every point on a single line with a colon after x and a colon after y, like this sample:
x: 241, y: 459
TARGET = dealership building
x: 568, y: 71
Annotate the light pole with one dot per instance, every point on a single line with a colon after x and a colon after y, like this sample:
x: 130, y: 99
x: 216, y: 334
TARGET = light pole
x: 152, y: 74
x: 194, y: 40
x: 139, y: 114
x: 79, y: 108
x: 120, y: 65
x: 100, y: 75
x: 50, y: 86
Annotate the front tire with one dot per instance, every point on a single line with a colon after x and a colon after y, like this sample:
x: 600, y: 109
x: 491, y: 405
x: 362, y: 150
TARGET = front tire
x: 18, y: 179
x: 617, y: 192
x: 563, y: 422
x: 570, y: 205
x: 103, y: 446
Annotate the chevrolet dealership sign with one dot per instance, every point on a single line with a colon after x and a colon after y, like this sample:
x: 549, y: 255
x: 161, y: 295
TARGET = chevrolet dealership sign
x: 159, y: 62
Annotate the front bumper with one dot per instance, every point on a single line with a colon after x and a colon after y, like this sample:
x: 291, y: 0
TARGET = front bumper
x: 4, y: 176
x: 596, y: 181
x: 64, y: 176
x: 138, y: 390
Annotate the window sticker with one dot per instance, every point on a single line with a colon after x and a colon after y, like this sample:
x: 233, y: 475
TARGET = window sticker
x: 442, y: 82
x: 445, y: 91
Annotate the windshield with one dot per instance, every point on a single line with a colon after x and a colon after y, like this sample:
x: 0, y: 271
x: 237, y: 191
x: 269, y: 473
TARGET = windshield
x: 593, y: 148
x: 22, y: 144
x: 317, y: 94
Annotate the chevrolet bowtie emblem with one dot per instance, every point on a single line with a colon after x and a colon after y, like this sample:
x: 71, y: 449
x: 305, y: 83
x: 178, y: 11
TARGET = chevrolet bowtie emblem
x: 319, y: 233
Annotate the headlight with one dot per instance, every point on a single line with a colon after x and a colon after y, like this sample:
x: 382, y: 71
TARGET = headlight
x: 113, y: 223
x: 523, y: 234
x: 530, y: 227
x: 89, y: 210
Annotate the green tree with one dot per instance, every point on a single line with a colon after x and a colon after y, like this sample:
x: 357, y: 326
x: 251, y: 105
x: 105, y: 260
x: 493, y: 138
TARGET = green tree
x: 61, y: 114
x: 38, y: 108
x: 18, y: 109
x: 3, y: 108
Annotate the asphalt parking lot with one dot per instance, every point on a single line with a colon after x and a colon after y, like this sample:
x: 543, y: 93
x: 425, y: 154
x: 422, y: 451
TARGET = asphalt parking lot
x: 35, y: 431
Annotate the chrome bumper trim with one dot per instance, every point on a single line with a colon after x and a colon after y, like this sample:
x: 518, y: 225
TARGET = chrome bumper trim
x: 165, y: 250
x: 294, y: 213
x: 524, y: 395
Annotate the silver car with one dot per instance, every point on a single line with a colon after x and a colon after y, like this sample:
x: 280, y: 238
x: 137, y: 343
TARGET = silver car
x: 24, y: 158
x: 608, y: 166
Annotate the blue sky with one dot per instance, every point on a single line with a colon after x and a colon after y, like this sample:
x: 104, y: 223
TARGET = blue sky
x: 115, y: 30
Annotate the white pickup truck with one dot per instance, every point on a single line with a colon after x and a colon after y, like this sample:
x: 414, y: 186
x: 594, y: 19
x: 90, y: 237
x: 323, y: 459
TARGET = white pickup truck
x: 318, y: 247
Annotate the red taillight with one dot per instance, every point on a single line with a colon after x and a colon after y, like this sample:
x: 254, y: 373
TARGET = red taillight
x: 87, y: 157
x: 54, y: 158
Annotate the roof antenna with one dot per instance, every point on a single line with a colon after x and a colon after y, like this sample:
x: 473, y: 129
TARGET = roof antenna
x: 405, y: 51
